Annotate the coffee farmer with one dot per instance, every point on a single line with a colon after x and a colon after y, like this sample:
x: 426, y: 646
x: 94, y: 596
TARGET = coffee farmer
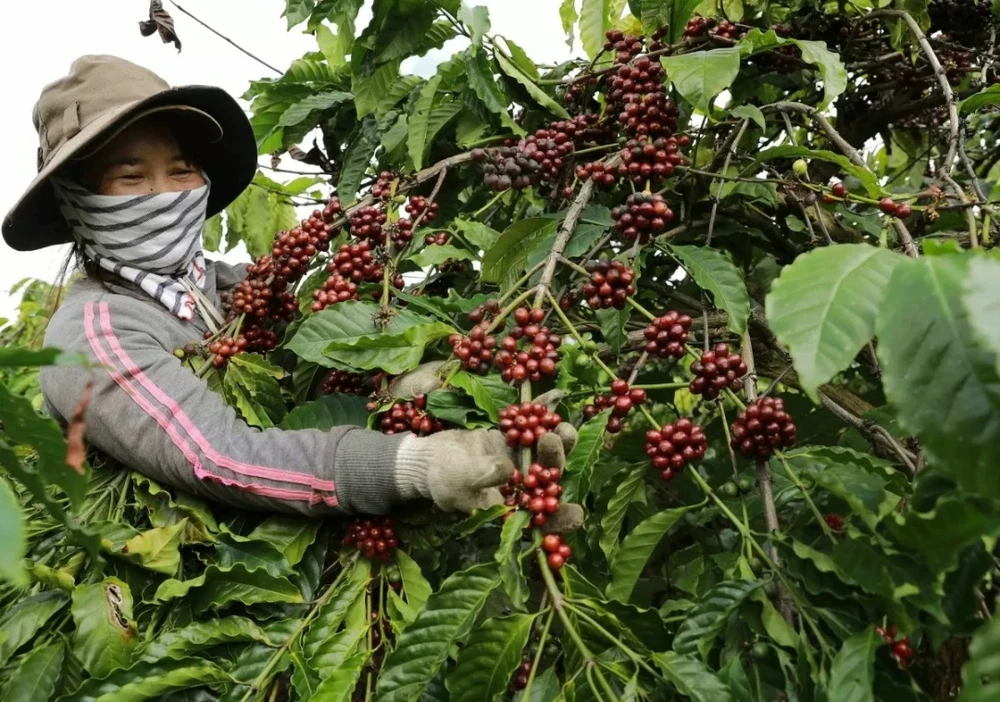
x: 128, y: 170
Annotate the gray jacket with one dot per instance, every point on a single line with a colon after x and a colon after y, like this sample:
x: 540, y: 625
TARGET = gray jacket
x: 155, y: 416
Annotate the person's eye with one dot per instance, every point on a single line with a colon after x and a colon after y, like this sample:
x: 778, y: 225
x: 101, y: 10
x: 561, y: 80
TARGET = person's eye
x: 131, y: 177
x: 183, y: 172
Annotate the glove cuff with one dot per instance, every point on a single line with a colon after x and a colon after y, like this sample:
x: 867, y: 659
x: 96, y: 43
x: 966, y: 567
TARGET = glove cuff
x: 413, y: 462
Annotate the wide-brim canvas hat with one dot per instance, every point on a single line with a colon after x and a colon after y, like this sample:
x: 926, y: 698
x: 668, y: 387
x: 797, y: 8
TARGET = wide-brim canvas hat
x: 101, y: 97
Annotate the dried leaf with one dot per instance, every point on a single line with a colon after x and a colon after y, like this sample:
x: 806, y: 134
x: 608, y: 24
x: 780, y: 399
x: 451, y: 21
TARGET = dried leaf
x: 313, y: 157
x: 160, y: 21
x: 76, y: 450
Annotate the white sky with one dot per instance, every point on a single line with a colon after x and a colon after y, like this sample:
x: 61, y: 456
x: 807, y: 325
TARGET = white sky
x: 45, y: 37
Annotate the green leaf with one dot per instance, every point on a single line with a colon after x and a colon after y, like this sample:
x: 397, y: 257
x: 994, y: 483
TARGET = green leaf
x: 211, y: 234
x: 329, y: 411
x: 697, y: 633
x: 692, y: 678
x: 357, y: 159
x: 291, y: 536
x: 346, y: 335
x: 863, y: 490
x: 303, y: 109
x: 546, y: 687
x: 943, y: 385
x: 415, y: 585
x: 417, y: 141
x: 636, y: 549
x: 152, y: 681
x: 489, y: 392
x: 341, y: 683
x: 251, y: 385
x: 714, y: 271
x: 477, y: 19
x: 423, y: 647
x: 505, y: 262
x: 568, y: 16
x: 248, y: 219
x: 437, y: 254
x: 981, y: 673
x: 701, y: 75
x: 13, y: 541
x: 36, y: 675
x: 403, y: 86
x: 540, y: 96
x: 823, y: 307
x: 985, y: 97
x: 369, y: 90
x: 334, y: 47
x: 981, y: 296
x: 18, y: 357
x: 489, y: 658
x: 157, y: 549
x: 852, y: 673
x: 595, y: 21
x: 750, y: 112
x: 508, y: 558
x: 831, y: 68
x: 477, y: 233
x: 480, y: 74
x: 298, y: 11
x: 200, y: 636
x: 321, y: 645
x: 23, y: 425
x: 219, y: 586
x: 20, y: 624
x: 106, y: 634
x: 580, y: 463
x: 614, y: 514
x: 867, y: 178
x: 613, y: 329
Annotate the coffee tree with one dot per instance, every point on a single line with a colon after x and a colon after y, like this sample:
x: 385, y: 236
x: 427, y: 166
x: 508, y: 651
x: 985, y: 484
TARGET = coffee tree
x: 751, y: 243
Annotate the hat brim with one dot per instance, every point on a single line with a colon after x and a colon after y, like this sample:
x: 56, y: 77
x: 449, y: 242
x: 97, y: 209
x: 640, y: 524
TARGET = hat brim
x: 226, y: 149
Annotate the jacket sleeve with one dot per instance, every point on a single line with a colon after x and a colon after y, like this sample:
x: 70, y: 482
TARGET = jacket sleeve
x: 155, y: 416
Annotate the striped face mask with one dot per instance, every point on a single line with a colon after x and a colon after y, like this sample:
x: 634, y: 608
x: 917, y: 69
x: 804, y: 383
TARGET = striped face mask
x: 153, y: 241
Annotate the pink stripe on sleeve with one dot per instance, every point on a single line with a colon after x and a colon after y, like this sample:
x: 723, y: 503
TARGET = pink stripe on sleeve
x: 189, y: 427
x: 175, y: 437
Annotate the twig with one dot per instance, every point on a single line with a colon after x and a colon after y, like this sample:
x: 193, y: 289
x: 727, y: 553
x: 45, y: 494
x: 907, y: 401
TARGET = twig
x: 969, y: 216
x: 764, y: 474
x: 223, y: 36
x: 872, y: 431
x: 563, y: 236
x: 638, y: 365
x: 901, y: 231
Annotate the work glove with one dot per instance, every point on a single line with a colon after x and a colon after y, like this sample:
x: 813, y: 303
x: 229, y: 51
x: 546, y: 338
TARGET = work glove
x: 422, y: 380
x: 462, y: 470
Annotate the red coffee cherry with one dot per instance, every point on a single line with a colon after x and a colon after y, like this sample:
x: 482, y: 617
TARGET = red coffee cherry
x: 610, y: 285
x: 673, y: 446
x: 537, y: 492
x: 529, y: 350
x: 762, y: 427
x: 716, y: 370
x: 643, y: 215
x: 474, y: 351
x: 343, y: 382
x: 411, y: 416
x: 666, y: 335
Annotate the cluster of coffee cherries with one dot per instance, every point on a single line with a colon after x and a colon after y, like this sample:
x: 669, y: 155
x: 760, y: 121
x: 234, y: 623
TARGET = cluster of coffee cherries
x: 621, y: 401
x: 411, y: 416
x: 673, y: 446
x: 344, y: 382
x: 521, y: 675
x: 374, y: 537
x: 384, y: 184
x: 265, y: 295
x: 524, y: 424
x: 418, y: 205
x: 626, y: 46
x: 537, y: 158
x: 900, y: 651
x: 763, y: 427
x: 336, y: 288
x: 643, y: 215
x: 709, y: 26
x: 538, y: 492
x: 896, y: 209
x: 604, y: 176
x: 667, y: 334
x: 716, y: 370
x: 557, y: 549
x: 610, y: 285
x: 226, y: 348
x: 636, y: 95
x: 475, y: 351
x: 646, y: 159
x: 367, y: 223
x: 542, y: 353
x: 437, y: 239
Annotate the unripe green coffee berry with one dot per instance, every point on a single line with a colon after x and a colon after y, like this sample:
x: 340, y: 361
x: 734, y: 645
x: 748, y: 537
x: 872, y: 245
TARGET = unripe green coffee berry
x: 744, y: 485
x: 729, y: 489
x: 760, y: 650
x: 800, y: 168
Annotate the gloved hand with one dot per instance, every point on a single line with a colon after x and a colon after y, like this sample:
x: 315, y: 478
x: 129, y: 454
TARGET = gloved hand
x: 421, y: 380
x: 462, y: 470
